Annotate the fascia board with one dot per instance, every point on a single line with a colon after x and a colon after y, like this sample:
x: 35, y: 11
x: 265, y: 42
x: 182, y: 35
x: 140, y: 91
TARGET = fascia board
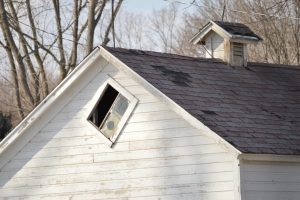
x: 269, y: 158
x: 201, y: 34
x: 244, y: 39
x: 222, y: 32
x: 161, y: 96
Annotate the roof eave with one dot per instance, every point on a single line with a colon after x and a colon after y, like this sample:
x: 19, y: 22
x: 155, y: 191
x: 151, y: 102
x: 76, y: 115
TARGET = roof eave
x: 246, y: 39
x: 269, y: 157
x: 198, y: 37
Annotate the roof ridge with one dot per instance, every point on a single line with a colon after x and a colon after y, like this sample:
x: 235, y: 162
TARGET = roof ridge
x: 201, y: 59
x: 232, y: 23
x: 162, y: 54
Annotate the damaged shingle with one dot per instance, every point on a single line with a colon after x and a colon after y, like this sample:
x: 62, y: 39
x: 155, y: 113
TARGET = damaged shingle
x: 209, y: 112
x: 179, y: 78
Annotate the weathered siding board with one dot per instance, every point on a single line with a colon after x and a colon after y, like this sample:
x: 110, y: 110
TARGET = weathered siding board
x: 271, y: 181
x: 215, y: 46
x: 158, y: 155
x: 207, y: 162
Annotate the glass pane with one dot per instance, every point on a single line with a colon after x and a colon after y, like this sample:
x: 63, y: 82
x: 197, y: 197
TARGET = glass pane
x: 103, y: 106
x: 111, y: 122
x: 120, y: 105
x: 110, y: 125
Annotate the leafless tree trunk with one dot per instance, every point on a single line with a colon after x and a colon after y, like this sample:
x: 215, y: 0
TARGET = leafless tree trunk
x: 13, y: 47
x: 24, y: 48
x: 14, y: 77
x: 34, y: 49
x: 110, y: 25
x: 44, y: 80
x: 62, y: 60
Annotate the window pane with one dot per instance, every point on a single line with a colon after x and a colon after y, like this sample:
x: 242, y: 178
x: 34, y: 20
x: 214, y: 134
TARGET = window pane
x: 103, y: 106
x: 110, y: 125
x: 120, y: 105
x: 118, y: 109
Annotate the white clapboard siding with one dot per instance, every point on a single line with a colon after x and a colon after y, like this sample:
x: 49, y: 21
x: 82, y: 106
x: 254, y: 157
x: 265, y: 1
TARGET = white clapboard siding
x: 182, y: 192
x: 158, y: 155
x: 190, y: 171
x: 271, y: 181
x: 207, y: 162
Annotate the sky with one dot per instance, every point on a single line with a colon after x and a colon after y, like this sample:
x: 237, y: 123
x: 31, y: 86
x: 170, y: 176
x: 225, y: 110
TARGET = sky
x: 143, y: 5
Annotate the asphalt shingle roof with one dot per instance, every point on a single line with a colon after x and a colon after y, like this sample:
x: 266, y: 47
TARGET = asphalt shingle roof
x: 237, y: 29
x: 256, y: 109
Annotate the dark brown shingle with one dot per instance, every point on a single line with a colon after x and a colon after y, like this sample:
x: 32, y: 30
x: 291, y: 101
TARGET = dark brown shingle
x: 237, y: 29
x: 257, y: 109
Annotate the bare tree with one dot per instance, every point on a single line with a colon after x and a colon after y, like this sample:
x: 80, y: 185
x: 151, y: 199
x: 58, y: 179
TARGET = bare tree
x: 276, y: 21
x: 163, y: 26
x: 39, y: 37
x: 131, y: 31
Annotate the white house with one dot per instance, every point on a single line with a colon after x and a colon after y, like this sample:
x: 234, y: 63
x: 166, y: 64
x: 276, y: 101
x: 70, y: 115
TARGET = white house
x: 131, y: 124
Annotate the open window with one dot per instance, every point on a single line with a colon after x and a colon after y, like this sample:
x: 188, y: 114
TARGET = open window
x: 111, y: 110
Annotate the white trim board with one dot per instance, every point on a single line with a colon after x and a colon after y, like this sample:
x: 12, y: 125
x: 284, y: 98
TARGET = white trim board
x: 269, y: 158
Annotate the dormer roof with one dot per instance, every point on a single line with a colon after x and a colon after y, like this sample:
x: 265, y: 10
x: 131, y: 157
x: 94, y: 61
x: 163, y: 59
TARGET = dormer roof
x: 229, y: 30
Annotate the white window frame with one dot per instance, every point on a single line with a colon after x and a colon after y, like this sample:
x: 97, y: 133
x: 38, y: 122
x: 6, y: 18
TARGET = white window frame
x: 96, y: 98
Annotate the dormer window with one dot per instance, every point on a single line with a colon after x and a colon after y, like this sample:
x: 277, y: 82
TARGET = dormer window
x: 111, y: 110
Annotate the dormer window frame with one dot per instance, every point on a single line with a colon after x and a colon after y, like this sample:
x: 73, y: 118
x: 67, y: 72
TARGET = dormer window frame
x: 122, y: 92
x: 238, y: 49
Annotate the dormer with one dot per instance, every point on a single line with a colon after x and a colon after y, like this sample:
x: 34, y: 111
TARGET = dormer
x: 227, y: 41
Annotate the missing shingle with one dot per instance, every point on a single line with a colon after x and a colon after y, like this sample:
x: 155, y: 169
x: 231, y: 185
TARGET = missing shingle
x: 209, y: 112
x: 179, y: 78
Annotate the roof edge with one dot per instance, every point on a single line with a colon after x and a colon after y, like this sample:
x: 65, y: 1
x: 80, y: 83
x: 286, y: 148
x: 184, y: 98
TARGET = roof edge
x: 269, y: 158
x: 178, y: 109
x: 197, y: 37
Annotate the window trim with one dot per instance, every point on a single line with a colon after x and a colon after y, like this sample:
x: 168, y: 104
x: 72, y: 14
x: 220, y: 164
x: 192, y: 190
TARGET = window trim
x: 95, y: 100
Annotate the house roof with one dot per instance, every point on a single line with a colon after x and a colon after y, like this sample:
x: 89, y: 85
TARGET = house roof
x: 237, y: 29
x: 256, y: 109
